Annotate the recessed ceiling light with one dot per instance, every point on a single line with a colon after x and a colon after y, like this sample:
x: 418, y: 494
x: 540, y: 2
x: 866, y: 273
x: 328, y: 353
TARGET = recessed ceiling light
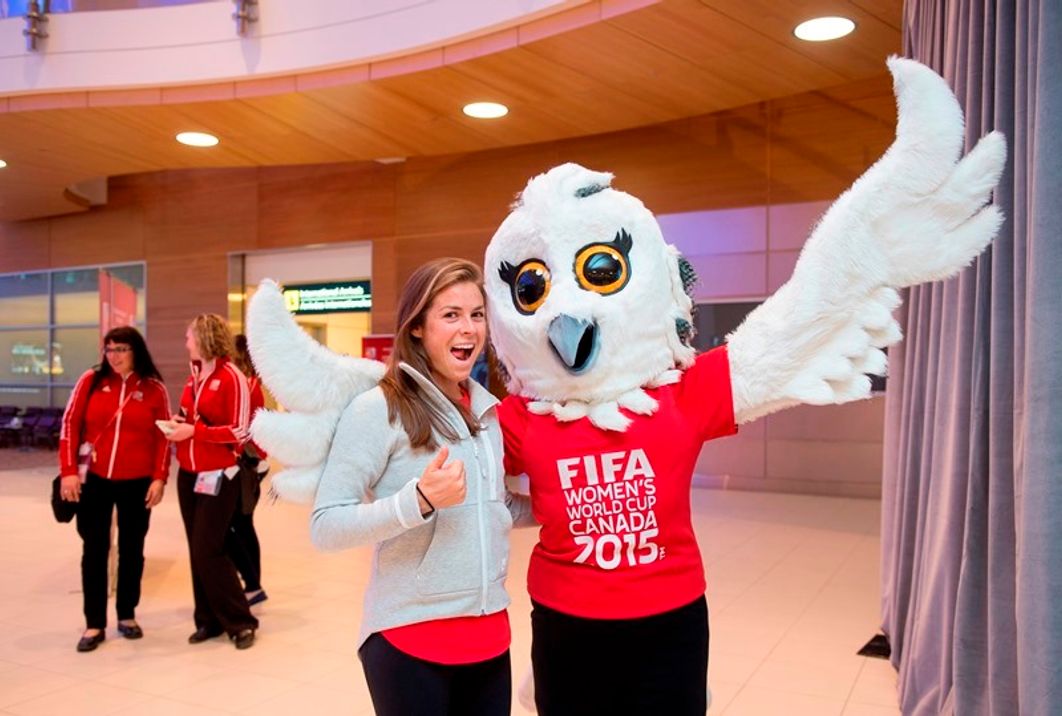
x: 197, y: 139
x: 486, y: 110
x: 824, y: 28
x: 2, y: 164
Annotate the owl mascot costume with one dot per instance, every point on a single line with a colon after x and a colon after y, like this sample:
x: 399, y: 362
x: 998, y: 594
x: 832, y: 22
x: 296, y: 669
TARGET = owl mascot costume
x: 590, y: 317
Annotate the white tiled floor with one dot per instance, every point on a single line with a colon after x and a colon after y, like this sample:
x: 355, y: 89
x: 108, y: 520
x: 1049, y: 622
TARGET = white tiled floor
x: 793, y: 591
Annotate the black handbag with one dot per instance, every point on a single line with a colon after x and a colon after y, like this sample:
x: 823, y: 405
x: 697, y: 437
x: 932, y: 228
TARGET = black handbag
x: 63, y: 510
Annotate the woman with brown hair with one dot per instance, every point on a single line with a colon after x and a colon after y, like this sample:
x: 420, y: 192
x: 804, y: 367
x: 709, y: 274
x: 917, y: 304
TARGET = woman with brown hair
x: 242, y: 542
x: 112, y: 457
x: 211, y: 426
x: 425, y: 444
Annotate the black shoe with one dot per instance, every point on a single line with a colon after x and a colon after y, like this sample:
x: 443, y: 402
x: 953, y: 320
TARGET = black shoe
x: 89, y: 643
x: 130, y: 631
x: 244, y: 638
x: 256, y: 597
x: 203, y: 634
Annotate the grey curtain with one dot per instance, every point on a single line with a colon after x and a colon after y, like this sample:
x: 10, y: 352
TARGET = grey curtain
x: 972, y: 493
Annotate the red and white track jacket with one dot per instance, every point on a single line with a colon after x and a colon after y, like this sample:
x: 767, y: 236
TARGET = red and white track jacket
x: 219, y: 406
x: 127, y: 446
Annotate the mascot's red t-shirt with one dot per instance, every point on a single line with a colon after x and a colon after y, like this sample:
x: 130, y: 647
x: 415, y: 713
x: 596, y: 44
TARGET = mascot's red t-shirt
x: 616, y: 540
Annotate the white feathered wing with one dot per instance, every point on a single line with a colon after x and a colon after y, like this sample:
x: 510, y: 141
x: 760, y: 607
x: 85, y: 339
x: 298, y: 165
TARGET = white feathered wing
x: 917, y: 215
x: 312, y: 383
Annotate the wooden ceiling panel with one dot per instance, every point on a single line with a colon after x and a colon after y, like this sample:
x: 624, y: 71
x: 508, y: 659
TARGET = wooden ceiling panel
x: 349, y: 139
x: 861, y: 54
x: 888, y: 11
x: 421, y: 128
x: 740, y: 55
x: 446, y: 92
x: 668, y: 61
x: 565, y: 92
x: 622, y: 61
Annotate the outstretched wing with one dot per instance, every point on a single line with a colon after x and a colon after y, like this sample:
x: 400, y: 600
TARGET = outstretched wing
x: 919, y: 214
x: 312, y: 383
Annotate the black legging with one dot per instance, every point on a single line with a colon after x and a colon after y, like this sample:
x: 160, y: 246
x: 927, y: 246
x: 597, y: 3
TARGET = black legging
x: 653, y: 665
x: 243, y: 547
x: 99, y: 498
x: 402, y: 685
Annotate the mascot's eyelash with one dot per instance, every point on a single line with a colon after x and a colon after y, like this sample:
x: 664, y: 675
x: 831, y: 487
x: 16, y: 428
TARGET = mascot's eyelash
x: 623, y: 241
x: 507, y: 272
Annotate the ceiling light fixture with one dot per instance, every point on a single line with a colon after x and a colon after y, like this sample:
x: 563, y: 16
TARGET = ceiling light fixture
x: 822, y: 29
x: 197, y: 139
x: 485, y: 110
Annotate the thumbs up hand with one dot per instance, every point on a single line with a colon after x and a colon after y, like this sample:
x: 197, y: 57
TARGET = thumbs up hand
x: 442, y: 485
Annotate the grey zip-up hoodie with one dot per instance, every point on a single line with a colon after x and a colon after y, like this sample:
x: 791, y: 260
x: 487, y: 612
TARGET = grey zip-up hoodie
x: 451, y: 564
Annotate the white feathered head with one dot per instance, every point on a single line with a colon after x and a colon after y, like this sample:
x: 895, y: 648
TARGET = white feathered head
x: 587, y: 302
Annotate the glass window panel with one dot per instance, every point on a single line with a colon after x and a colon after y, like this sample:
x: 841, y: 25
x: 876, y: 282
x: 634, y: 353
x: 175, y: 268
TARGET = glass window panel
x: 24, y: 395
x: 74, y: 350
x: 60, y: 395
x: 714, y: 321
x: 24, y: 299
x: 24, y: 356
x: 132, y: 275
x: 77, y: 296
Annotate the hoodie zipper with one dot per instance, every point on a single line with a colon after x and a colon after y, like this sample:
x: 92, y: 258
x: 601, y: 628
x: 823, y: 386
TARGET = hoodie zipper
x: 482, y: 531
x: 480, y: 506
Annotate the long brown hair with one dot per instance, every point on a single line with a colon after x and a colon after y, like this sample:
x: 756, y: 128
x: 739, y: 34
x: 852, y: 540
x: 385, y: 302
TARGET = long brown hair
x: 143, y: 365
x: 241, y: 356
x: 404, y: 399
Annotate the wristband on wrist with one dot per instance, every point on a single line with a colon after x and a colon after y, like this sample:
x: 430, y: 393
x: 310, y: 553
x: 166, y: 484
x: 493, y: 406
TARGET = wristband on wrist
x: 431, y: 507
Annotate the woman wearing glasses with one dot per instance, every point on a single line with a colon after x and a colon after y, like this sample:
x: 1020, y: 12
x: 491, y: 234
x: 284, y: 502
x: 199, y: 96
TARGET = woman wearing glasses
x: 112, y: 456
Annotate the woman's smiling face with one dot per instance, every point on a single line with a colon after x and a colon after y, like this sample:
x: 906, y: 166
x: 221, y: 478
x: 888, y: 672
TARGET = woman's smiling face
x: 453, y: 334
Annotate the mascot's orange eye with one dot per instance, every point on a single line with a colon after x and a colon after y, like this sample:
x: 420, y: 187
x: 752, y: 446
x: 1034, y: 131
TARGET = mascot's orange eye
x: 602, y: 269
x: 530, y: 286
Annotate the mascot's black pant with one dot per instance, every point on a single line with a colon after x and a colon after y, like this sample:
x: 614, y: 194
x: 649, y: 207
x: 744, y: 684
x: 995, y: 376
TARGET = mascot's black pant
x: 653, y: 665
x: 403, y: 685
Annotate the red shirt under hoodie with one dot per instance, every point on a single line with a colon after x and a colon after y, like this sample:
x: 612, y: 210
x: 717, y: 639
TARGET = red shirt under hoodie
x: 617, y: 540
x: 219, y: 406
x: 127, y: 444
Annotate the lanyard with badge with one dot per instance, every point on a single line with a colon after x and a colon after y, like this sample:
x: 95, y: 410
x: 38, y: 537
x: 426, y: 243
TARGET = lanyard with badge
x: 86, y: 452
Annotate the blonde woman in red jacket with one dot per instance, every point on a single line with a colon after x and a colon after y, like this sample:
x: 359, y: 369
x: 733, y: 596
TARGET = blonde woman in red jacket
x: 212, y: 424
x: 109, y: 432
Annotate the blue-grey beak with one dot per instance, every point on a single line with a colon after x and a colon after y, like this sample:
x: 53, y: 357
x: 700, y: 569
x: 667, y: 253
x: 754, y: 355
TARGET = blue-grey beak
x: 575, y: 342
